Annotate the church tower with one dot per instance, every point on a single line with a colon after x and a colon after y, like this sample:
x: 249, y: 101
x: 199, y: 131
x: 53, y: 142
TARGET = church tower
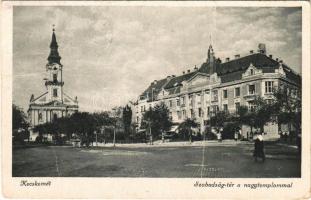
x: 54, y: 68
x: 54, y: 103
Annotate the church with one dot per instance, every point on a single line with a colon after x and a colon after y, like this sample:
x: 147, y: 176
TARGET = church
x: 54, y: 102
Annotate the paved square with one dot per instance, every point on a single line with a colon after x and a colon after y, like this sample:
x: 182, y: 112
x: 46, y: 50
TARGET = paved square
x: 225, y: 160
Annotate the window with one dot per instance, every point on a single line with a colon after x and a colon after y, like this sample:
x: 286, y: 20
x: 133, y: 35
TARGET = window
x: 141, y: 109
x: 171, y: 115
x: 40, y: 116
x: 215, y: 95
x: 251, y: 89
x: 237, y: 106
x: 177, y: 102
x: 137, y: 120
x: 268, y: 86
x: 208, y: 110
x: 252, y: 72
x: 200, y: 112
x: 251, y: 106
x: 144, y: 108
x: 225, y: 92
x: 225, y: 107
x: 54, y: 92
x: 171, y: 103
x: 184, y: 114
x: 191, y: 113
x: 54, y: 77
x: 237, y: 92
x: 179, y: 114
x: 183, y: 101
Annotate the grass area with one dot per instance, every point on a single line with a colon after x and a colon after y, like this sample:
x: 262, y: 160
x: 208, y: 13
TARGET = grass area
x: 230, y: 161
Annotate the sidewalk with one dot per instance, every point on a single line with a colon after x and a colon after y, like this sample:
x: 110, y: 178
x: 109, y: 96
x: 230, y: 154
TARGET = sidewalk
x: 159, y: 143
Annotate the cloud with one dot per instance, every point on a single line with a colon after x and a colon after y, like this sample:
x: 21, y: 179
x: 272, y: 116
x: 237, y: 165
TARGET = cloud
x: 111, y: 54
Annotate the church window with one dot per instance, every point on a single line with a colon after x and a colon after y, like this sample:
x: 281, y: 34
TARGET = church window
x: 54, y: 116
x: 40, y: 117
x: 54, y: 92
x: 54, y: 77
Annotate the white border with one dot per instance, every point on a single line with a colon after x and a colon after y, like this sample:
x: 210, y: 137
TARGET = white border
x: 146, y: 187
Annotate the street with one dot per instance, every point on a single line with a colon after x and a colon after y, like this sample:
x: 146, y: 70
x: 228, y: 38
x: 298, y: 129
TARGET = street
x: 220, y: 160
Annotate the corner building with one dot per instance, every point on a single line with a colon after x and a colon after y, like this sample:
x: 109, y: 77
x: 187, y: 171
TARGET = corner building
x: 217, y: 85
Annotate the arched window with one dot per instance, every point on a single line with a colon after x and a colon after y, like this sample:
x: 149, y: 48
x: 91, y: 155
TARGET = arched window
x: 40, y: 116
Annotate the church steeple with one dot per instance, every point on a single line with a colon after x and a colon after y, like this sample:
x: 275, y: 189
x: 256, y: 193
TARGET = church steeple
x: 54, y: 55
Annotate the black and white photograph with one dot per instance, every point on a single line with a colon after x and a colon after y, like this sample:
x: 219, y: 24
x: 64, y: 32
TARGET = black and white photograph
x: 112, y: 91
x: 184, y: 94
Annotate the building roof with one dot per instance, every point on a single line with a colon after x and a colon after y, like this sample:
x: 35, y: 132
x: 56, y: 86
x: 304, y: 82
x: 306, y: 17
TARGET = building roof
x: 154, y: 87
x: 176, y: 81
x: 233, y: 70
x: 227, y: 71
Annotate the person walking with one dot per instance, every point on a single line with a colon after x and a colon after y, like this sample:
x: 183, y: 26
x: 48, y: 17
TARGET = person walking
x: 236, y: 135
x: 259, y: 147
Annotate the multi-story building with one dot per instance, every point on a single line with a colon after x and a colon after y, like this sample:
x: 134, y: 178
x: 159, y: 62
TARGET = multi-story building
x: 218, y: 85
x: 54, y: 103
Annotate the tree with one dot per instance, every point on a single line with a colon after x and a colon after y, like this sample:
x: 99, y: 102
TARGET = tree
x: 127, y: 119
x: 287, y: 106
x: 19, y: 124
x: 262, y: 112
x: 218, y: 120
x: 186, y: 127
x: 157, y: 119
x: 19, y: 119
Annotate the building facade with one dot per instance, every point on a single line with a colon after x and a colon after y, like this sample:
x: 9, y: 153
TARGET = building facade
x: 218, y: 85
x: 54, y: 103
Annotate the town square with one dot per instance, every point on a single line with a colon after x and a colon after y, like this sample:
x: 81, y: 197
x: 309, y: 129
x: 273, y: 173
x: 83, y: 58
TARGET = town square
x: 116, y: 92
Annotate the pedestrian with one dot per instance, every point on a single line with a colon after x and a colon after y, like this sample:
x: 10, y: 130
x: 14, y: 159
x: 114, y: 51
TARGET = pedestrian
x: 259, y: 147
x: 236, y: 135
x: 219, y: 136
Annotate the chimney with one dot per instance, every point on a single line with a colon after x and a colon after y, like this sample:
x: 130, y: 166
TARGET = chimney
x: 280, y: 61
x: 227, y: 59
x: 173, y: 75
x: 251, y: 51
x: 277, y: 59
x: 183, y: 72
x: 155, y: 81
x: 195, y: 68
x: 168, y: 77
x: 237, y: 56
x: 188, y: 70
x: 270, y: 56
x: 262, y: 48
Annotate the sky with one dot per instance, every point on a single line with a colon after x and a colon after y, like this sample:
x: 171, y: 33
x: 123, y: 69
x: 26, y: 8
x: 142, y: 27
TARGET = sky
x: 111, y: 54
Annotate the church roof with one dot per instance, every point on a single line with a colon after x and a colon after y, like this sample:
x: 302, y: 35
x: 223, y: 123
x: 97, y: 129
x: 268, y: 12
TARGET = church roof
x: 54, y: 55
